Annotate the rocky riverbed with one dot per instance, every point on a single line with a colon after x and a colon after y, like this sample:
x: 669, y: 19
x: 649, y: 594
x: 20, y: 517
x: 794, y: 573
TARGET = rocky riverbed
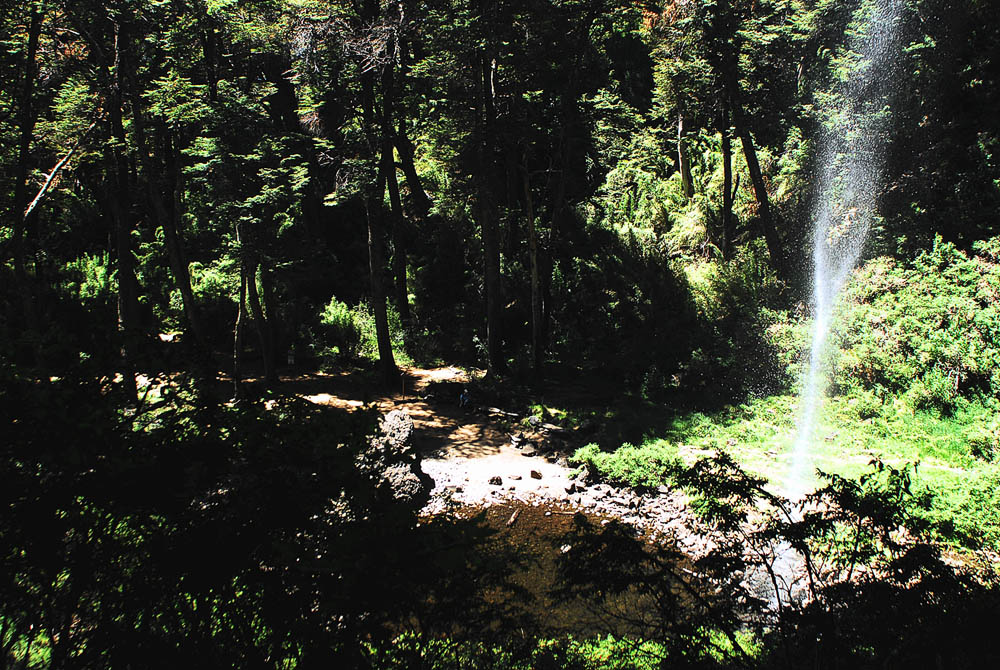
x: 534, y: 476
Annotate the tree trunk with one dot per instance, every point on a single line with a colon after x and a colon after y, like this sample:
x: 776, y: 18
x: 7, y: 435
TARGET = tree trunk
x: 683, y: 164
x: 396, y: 207
x: 175, y: 248
x: 728, y: 229
x: 238, y: 332
x: 271, y: 316
x: 165, y: 219
x: 488, y: 212
x: 421, y: 203
x: 398, y: 240
x: 376, y: 268
x: 26, y: 128
x: 27, y: 118
x: 261, y: 321
x: 374, y: 213
x: 771, y: 238
x: 121, y: 205
x: 774, y: 249
x: 537, y: 352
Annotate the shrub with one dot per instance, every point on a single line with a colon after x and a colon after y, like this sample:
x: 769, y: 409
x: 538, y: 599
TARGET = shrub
x: 645, y: 466
x: 928, y: 331
x: 340, y: 329
x: 350, y: 331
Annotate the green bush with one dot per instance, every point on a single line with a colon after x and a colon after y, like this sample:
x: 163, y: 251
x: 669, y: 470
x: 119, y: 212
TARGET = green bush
x: 866, y: 404
x: 94, y: 280
x: 350, y: 331
x: 341, y: 332
x: 928, y: 331
x: 645, y: 466
x: 984, y: 440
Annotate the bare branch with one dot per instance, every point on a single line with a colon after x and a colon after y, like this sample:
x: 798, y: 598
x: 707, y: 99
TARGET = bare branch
x: 55, y: 171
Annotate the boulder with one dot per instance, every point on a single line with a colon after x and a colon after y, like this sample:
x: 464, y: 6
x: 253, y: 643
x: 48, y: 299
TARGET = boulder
x: 402, y: 484
x: 392, y: 464
x: 397, y: 431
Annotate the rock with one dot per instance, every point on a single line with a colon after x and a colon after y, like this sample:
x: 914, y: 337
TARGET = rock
x: 571, y: 488
x: 551, y: 458
x: 516, y: 478
x: 496, y: 481
x: 528, y: 451
x: 404, y: 485
x: 535, y: 474
x: 534, y: 421
x: 397, y: 431
x: 393, y: 466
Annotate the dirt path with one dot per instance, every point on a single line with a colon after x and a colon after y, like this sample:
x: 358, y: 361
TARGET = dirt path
x: 481, y: 456
x: 463, y: 448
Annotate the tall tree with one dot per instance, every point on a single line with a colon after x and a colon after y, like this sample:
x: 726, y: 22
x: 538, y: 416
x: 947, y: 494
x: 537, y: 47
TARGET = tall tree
x: 487, y: 204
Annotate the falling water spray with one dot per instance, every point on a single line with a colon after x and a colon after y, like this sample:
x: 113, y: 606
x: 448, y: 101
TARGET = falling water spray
x: 851, y: 152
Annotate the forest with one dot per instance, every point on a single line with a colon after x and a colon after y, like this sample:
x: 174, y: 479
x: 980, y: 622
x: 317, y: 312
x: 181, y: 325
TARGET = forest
x: 569, y: 334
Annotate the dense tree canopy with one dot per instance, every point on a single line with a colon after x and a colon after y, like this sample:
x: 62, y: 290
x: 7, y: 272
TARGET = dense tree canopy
x: 215, y: 190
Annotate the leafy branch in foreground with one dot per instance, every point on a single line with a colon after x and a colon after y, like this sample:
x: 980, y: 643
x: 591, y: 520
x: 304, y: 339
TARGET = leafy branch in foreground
x: 852, y: 574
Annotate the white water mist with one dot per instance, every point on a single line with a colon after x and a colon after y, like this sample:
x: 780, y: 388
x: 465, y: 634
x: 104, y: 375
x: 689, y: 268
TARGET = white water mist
x: 851, y: 152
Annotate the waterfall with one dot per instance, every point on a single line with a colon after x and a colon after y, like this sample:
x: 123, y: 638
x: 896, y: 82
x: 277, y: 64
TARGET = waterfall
x: 851, y: 155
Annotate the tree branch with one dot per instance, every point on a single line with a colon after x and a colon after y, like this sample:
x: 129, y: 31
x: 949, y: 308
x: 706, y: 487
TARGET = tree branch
x: 55, y: 171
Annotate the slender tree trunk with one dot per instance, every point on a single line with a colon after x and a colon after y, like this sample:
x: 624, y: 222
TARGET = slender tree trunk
x: 764, y: 205
x: 271, y: 315
x: 165, y: 219
x: 421, y: 203
x: 121, y: 204
x: 728, y: 229
x: 489, y: 215
x: 27, y: 118
x: 239, y: 330
x: 771, y: 238
x: 396, y: 207
x: 537, y: 351
x: 374, y: 213
x: 175, y: 248
x: 683, y: 163
x: 376, y: 268
x: 398, y: 241
x: 261, y: 322
x: 26, y: 128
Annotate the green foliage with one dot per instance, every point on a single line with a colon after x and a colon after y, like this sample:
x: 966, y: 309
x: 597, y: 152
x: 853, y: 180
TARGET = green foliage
x: 350, y: 332
x: 645, y: 467
x: 216, y: 289
x: 928, y: 331
x: 742, y: 349
x: 599, y: 653
x: 93, y: 279
x: 340, y: 329
x: 177, y: 100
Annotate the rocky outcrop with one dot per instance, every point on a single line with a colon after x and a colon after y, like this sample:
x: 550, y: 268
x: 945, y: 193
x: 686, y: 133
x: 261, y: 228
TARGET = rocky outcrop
x: 394, y: 465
